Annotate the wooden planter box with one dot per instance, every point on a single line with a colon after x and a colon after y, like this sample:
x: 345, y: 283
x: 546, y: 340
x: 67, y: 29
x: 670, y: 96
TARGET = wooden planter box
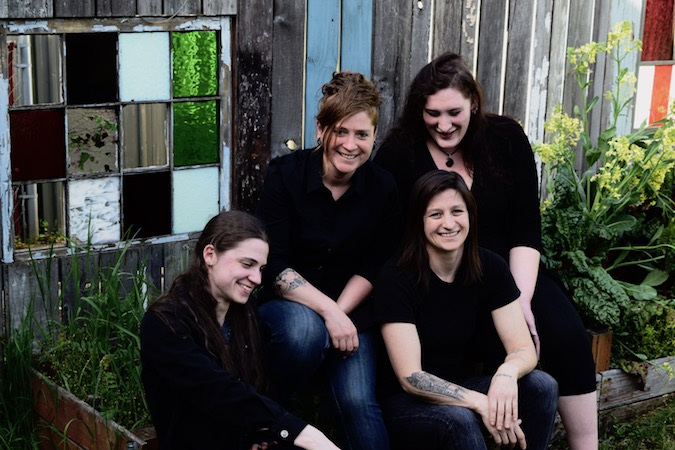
x: 624, y: 395
x: 601, y: 347
x: 68, y: 423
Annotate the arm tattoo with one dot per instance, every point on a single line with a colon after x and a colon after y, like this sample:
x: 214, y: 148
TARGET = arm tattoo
x: 288, y: 280
x: 429, y: 383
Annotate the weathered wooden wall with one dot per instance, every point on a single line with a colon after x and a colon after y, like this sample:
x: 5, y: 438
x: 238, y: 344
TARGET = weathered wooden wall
x: 516, y: 49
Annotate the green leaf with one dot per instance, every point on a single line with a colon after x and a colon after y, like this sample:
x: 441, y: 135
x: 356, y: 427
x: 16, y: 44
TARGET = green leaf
x: 577, y: 111
x: 624, y: 222
x: 655, y: 278
x: 592, y: 103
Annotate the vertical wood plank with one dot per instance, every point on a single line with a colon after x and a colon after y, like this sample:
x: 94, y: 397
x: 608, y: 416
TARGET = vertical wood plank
x: 287, y: 87
x: 391, y: 42
x: 602, y: 72
x: 74, y: 8
x: 6, y: 192
x: 540, y: 70
x: 4, y: 13
x: 447, y: 24
x: 176, y: 260
x: 323, y: 30
x: 356, y: 36
x: 32, y: 287
x: 469, y: 43
x: 115, y: 8
x: 490, y: 51
x: 518, y: 60
x: 182, y: 7
x: 30, y: 9
x: 219, y: 7
x: 421, y: 33
x: 558, y: 59
x: 149, y: 7
x: 253, y: 83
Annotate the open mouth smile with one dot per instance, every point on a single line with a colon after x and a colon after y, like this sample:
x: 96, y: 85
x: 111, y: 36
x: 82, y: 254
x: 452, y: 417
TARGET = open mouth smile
x: 348, y: 156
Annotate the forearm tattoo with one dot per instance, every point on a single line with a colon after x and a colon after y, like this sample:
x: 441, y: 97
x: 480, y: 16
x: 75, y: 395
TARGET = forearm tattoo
x: 288, y: 280
x: 429, y: 383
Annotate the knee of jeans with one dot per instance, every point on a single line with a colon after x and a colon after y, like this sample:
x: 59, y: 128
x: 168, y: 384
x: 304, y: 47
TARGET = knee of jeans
x: 540, y: 384
x: 295, y: 327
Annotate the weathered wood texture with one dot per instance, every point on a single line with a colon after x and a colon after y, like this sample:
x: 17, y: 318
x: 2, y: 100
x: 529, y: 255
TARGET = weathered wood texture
x: 254, y: 90
x: 64, y: 417
x: 618, y: 389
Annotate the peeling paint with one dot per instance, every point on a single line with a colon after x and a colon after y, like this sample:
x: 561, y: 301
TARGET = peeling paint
x: 5, y: 179
x: 105, y: 28
x: 27, y: 27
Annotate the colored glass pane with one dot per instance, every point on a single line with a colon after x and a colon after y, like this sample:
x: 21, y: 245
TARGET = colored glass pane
x: 94, y: 210
x: 195, y: 64
x: 38, y: 144
x: 195, y: 199
x: 92, y: 140
x: 34, y: 69
x: 146, y: 200
x: 195, y: 133
x: 39, y: 214
x: 144, y: 67
x: 145, y: 130
x: 91, y: 68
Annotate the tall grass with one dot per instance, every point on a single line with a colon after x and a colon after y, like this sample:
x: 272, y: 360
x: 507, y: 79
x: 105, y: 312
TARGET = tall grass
x: 93, y: 350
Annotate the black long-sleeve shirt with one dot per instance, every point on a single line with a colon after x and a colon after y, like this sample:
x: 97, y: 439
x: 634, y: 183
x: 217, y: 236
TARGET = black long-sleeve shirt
x: 327, y: 241
x: 194, y: 402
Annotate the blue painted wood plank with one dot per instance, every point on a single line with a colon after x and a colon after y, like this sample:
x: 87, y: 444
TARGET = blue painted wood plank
x: 356, y: 36
x: 323, y: 31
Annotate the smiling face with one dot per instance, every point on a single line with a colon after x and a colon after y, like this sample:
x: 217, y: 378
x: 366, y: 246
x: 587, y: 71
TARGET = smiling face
x: 348, y: 147
x: 234, y: 273
x: 446, y: 223
x: 446, y: 115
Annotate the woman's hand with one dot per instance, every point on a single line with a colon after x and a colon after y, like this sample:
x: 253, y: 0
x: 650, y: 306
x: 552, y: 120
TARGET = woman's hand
x: 506, y: 436
x: 503, y: 397
x: 342, y: 332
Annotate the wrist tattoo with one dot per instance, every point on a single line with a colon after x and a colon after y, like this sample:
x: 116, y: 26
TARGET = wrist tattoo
x: 503, y: 375
x: 288, y: 280
x: 430, y: 383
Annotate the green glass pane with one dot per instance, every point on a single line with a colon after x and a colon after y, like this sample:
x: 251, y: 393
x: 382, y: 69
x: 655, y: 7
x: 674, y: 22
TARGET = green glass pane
x: 195, y: 133
x: 195, y: 64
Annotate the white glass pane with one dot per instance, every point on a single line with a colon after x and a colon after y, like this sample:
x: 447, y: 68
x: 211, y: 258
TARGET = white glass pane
x: 195, y: 198
x: 144, y: 66
x: 94, y: 210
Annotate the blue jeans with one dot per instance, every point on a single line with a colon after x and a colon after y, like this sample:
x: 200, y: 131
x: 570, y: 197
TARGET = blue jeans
x: 299, y: 345
x: 415, y: 424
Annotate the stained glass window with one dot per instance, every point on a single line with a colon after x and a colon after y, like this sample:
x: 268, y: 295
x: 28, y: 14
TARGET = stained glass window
x: 116, y: 133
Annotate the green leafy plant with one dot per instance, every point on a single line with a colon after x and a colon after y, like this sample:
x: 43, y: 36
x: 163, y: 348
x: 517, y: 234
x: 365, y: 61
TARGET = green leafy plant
x: 86, y: 143
x: 605, y: 228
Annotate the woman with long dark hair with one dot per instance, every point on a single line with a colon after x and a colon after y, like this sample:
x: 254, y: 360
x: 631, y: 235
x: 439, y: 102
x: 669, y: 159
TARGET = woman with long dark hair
x: 201, y: 353
x: 430, y: 301
x: 444, y: 126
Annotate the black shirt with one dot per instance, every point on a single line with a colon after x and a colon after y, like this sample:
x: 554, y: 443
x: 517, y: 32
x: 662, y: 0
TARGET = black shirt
x: 506, y: 189
x: 446, y: 315
x: 194, y: 402
x: 327, y: 241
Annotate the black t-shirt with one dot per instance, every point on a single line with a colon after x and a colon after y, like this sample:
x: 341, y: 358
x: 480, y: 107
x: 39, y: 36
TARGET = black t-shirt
x: 446, y: 314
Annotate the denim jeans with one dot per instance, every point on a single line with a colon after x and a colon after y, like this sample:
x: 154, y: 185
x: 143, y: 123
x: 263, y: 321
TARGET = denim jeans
x: 416, y: 424
x: 299, y: 345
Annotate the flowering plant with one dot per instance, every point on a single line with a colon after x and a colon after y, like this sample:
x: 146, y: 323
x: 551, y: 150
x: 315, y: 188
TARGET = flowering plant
x: 607, y: 230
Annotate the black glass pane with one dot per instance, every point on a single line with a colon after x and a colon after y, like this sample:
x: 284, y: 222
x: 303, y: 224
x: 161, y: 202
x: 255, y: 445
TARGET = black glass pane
x: 91, y: 68
x: 146, y: 202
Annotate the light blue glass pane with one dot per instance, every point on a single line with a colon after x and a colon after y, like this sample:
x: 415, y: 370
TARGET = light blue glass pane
x: 94, y: 210
x: 195, y: 198
x: 144, y: 66
x: 195, y: 64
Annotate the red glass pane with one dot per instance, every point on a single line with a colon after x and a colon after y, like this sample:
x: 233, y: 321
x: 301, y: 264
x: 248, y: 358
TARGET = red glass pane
x: 38, y: 144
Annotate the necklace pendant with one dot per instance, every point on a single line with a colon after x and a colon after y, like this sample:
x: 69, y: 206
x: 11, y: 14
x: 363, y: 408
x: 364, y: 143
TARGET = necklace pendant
x: 450, y: 162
